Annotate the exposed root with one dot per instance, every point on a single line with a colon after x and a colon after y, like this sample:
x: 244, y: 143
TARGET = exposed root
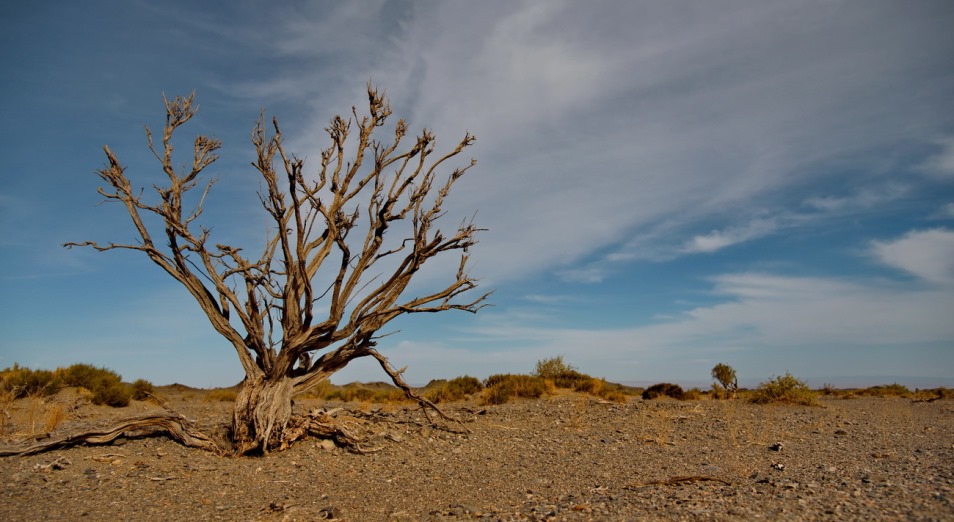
x: 321, y: 424
x: 172, y: 424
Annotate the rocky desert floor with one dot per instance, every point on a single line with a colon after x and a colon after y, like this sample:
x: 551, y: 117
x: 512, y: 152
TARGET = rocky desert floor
x: 566, y: 457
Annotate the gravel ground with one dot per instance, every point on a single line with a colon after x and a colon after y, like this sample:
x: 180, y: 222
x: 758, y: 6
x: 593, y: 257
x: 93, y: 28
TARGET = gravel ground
x: 568, y: 457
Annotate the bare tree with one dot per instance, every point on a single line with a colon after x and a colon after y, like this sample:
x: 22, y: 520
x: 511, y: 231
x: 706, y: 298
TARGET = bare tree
x: 324, y: 247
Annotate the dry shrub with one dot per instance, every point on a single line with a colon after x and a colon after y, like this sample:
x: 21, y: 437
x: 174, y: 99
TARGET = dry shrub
x: 453, y: 390
x: 375, y: 392
x: 318, y: 391
x: 24, y: 382
x: 500, y: 388
x: 934, y: 394
x: 886, y: 390
x: 142, y: 389
x: 784, y: 389
x: 694, y: 394
x: 663, y: 389
x: 221, y: 395
x: 54, y: 416
x: 107, y: 386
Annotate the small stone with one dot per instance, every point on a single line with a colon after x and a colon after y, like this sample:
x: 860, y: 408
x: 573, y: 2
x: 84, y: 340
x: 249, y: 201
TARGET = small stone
x: 329, y: 513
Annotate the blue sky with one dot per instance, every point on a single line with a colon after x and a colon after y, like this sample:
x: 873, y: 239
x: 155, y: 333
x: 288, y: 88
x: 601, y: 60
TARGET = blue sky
x: 667, y: 185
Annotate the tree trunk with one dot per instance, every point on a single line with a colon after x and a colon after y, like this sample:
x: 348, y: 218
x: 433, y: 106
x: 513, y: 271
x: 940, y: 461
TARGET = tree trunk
x: 261, y: 412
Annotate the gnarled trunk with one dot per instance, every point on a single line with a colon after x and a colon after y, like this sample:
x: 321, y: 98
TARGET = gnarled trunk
x: 261, y: 413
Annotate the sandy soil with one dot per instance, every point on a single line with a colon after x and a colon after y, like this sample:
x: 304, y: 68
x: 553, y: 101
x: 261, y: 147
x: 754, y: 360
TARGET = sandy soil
x: 568, y: 457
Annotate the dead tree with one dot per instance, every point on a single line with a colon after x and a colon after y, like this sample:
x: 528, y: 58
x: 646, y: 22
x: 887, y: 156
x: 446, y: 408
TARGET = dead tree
x: 324, y: 249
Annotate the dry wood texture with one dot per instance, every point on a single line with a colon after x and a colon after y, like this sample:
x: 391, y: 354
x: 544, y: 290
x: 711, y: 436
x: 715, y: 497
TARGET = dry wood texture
x: 331, y: 241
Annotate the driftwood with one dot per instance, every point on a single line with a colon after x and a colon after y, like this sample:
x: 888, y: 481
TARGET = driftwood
x: 177, y: 427
x: 172, y: 424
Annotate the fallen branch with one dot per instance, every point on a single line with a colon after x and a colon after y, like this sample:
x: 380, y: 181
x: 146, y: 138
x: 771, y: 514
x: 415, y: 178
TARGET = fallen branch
x: 174, y: 425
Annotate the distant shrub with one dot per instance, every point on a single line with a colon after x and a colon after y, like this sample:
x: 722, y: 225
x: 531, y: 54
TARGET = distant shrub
x: 19, y: 382
x: 500, y: 388
x: 784, y: 389
x: 373, y: 392
x: 453, y: 390
x: 561, y: 374
x: 663, y: 389
x: 221, y: 395
x: 142, y: 389
x: 693, y: 394
x: 886, y: 390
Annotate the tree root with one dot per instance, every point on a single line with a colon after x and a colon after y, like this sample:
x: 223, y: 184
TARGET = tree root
x: 172, y: 424
x: 321, y: 424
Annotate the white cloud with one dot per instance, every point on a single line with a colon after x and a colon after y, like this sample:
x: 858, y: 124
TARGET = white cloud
x: 770, y: 323
x: 596, y: 125
x: 941, y: 165
x: 719, y: 239
x: 945, y: 212
x: 927, y: 254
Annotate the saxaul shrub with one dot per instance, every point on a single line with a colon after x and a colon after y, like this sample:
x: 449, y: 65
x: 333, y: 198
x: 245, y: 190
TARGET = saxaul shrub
x: 887, y: 390
x: 500, y: 388
x: 663, y: 389
x: 20, y: 382
x: 106, y: 385
x: 784, y: 389
x: 453, y: 390
x: 142, y: 389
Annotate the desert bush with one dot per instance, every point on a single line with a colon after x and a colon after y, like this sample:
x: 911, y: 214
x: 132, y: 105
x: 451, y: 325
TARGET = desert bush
x: 106, y: 385
x: 663, y: 389
x: 693, y: 394
x: 221, y: 395
x: 453, y: 390
x: 785, y: 389
x: 886, y: 390
x: 24, y: 382
x: 561, y: 374
x: 553, y: 368
x: 372, y: 392
x: 500, y: 388
x: 115, y: 394
x: 142, y: 389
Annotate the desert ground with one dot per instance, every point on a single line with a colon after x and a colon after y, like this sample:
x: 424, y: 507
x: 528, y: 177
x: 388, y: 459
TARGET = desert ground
x: 567, y: 456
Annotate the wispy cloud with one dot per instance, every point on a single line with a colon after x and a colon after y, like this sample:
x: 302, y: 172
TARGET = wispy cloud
x: 786, y: 322
x: 941, y: 165
x: 926, y: 254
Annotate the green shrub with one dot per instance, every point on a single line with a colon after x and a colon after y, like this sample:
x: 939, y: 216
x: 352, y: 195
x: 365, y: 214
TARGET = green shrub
x: 453, y: 390
x: 887, y: 390
x: 500, y: 388
x: 115, y: 394
x: 663, y: 389
x: 142, y: 389
x: 784, y: 389
x: 106, y: 385
x: 373, y: 392
x: 561, y: 374
x: 21, y: 382
x: 694, y: 394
